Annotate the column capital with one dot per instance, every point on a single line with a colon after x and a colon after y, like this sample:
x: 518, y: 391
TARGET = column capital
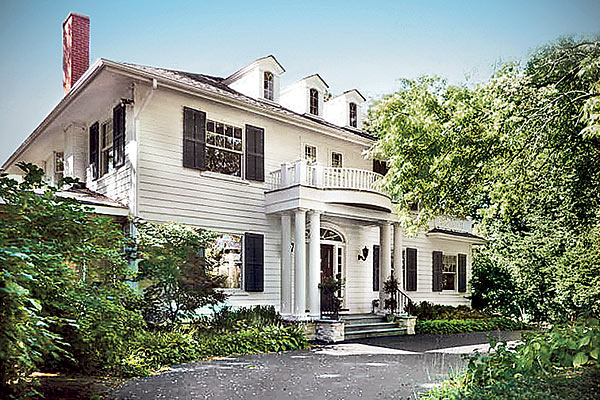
x: 315, y: 212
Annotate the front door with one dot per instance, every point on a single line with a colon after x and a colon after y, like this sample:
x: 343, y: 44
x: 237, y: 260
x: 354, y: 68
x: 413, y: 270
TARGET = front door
x: 326, y: 270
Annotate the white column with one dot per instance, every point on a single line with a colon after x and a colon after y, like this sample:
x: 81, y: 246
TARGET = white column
x: 398, y: 244
x: 314, y: 265
x: 300, y: 263
x: 385, y: 259
x: 286, y: 264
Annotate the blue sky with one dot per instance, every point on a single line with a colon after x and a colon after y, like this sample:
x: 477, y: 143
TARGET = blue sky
x: 367, y: 45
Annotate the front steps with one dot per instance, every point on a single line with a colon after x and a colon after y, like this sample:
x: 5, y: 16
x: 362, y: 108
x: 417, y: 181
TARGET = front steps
x: 358, y: 326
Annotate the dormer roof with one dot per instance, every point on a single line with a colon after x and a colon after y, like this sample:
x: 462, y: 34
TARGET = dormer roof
x: 311, y: 80
x: 353, y: 93
x: 268, y: 62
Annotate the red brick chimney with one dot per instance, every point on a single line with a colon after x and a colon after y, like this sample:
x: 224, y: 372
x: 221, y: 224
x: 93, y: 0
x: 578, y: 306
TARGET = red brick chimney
x: 76, y: 48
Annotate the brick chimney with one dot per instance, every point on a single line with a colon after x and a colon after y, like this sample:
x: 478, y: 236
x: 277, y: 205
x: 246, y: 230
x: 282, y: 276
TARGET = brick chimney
x: 76, y: 48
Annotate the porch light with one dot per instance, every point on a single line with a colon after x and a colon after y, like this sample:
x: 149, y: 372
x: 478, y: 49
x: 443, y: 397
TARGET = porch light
x: 362, y: 256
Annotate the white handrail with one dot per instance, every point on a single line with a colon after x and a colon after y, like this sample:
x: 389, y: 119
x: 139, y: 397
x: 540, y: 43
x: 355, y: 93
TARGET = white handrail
x: 300, y: 173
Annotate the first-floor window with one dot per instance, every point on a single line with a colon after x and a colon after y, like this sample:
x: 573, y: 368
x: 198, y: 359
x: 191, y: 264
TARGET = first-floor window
x: 336, y: 160
x: 223, y: 148
x: 59, y: 162
x: 310, y: 153
x: 448, y: 272
x: 225, y: 256
x: 106, y: 141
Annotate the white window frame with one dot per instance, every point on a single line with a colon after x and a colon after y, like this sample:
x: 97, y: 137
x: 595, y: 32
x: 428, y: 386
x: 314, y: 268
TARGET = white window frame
x: 304, y: 157
x: 318, y: 106
x: 331, y: 159
x: 241, y: 152
x: 239, y: 290
x: 106, y: 124
x: 350, y: 115
x: 455, y: 273
x: 268, y: 90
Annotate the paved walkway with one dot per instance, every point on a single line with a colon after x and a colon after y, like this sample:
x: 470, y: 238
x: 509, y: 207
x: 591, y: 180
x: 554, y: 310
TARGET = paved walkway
x: 378, y: 368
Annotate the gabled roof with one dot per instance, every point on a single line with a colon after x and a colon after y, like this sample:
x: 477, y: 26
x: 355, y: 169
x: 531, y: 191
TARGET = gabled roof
x: 198, y: 81
x: 242, y: 70
x: 315, y: 76
x: 464, y: 235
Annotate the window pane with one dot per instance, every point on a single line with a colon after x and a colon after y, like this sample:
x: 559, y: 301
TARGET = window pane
x: 223, y: 161
x: 314, y: 101
x: 219, y: 128
x: 210, y: 126
x: 237, y: 133
x: 225, y: 256
x: 229, y: 131
x: 237, y: 145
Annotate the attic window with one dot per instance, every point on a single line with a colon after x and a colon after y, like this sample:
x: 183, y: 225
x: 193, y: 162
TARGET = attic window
x: 268, y: 85
x: 314, y: 101
x: 353, y: 115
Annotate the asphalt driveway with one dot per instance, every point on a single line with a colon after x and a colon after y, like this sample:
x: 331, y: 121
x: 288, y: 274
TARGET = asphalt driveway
x: 392, y: 367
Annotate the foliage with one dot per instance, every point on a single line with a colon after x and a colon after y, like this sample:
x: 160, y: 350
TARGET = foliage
x: 429, y: 311
x: 230, y: 320
x: 55, y: 257
x: 179, y: 277
x: 544, y: 358
x: 390, y: 288
x: 331, y: 289
x: 520, y: 154
x: 448, y: 326
x: 161, y: 349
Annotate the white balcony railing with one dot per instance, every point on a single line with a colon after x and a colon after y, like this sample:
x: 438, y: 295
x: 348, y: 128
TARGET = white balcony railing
x: 300, y: 173
x: 452, y: 224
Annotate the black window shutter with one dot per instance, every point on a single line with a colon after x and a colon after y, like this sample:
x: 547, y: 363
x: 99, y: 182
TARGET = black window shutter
x: 94, y: 147
x: 462, y: 272
x: 411, y: 269
x: 194, y: 139
x: 437, y: 271
x: 375, y: 268
x: 119, y: 134
x: 380, y: 167
x: 255, y: 153
x: 253, y: 262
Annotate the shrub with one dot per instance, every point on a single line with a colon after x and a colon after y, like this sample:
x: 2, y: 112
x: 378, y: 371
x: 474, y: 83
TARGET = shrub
x: 156, y: 350
x: 228, y: 319
x: 448, y: 326
x: 548, y: 364
x: 429, y: 311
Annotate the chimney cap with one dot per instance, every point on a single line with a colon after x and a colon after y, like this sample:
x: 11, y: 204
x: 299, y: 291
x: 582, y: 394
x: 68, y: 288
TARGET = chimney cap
x: 74, y: 14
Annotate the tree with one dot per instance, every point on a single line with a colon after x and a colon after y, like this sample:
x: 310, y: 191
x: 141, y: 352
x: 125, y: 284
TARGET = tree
x: 520, y: 154
x: 60, y: 264
x: 178, y: 276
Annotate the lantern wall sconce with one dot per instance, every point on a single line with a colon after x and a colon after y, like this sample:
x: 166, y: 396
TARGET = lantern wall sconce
x: 364, y: 253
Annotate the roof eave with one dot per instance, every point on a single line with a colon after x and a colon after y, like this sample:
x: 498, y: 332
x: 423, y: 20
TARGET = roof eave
x: 62, y: 104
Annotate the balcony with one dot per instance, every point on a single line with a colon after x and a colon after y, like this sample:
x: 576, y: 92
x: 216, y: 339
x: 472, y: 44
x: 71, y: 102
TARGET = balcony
x: 299, y: 184
x: 317, y: 176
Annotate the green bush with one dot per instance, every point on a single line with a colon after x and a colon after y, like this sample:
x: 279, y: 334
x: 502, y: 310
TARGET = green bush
x: 548, y: 364
x: 229, y: 319
x: 429, y: 311
x: 162, y: 349
x: 447, y: 326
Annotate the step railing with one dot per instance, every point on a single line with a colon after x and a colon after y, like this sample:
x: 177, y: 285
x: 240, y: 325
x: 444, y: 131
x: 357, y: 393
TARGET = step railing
x: 399, y: 302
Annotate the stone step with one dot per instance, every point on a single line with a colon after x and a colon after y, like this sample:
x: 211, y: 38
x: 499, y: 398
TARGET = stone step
x: 362, y: 319
x: 374, y: 333
x: 369, y: 326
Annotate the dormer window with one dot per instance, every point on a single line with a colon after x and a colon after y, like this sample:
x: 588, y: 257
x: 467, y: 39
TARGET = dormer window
x: 353, y: 122
x: 314, y: 101
x: 268, y: 85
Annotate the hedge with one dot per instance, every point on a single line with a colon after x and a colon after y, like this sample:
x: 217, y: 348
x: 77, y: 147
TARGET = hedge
x: 157, y: 350
x: 446, y: 326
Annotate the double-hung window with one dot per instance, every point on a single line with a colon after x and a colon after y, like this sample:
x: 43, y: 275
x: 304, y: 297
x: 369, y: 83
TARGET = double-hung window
x: 224, y: 148
x: 268, y: 85
x: 353, y: 117
x: 310, y: 153
x: 336, y: 160
x: 314, y: 101
x: 107, y: 159
x: 449, y: 264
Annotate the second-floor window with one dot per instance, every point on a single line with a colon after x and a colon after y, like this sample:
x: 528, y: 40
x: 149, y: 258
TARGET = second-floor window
x: 106, y: 140
x: 310, y: 153
x: 268, y: 85
x: 223, y: 148
x: 314, y: 101
x: 353, y: 117
x: 336, y: 160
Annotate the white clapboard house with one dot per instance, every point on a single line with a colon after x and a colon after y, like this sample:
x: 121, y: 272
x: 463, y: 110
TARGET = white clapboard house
x: 278, y: 172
